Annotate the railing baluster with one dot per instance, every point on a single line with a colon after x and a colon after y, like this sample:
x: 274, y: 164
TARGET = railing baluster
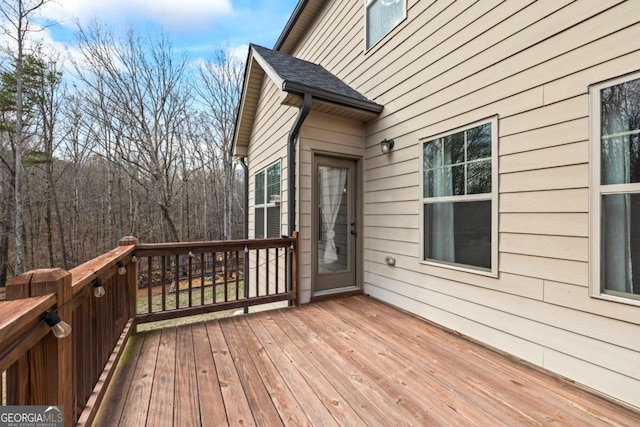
x: 226, y: 278
x: 163, y: 281
x: 267, y: 268
x: 215, y: 279
x: 237, y: 275
x: 190, y: 279
x: 149, y: 284
x: 202, y: 274
x: 257, y: 272
x: 287, y: 266
x: 245, y: 274
x: 277, y: 269
x: 176, y: 279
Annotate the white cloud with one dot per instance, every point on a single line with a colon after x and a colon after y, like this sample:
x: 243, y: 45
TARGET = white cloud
x: 173, y: 14
x: 240, y: 52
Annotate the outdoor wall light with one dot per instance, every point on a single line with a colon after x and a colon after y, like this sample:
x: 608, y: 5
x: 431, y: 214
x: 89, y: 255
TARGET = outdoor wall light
x: 59, y: 328
x: 121, y: 268
x: 98, y: 289
x: 386, y: 145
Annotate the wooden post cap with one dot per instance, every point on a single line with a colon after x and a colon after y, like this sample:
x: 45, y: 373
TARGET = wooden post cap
x: 128, y: 241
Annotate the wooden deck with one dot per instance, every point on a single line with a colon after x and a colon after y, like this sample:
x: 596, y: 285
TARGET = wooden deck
x: 353, y: 362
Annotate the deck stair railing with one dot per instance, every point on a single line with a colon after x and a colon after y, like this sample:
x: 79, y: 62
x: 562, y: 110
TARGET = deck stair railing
x: 39, y: 369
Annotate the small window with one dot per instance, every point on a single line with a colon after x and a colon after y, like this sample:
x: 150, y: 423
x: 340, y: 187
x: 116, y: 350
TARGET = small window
x: 615, y: 111
x: 267, y: 202
x: 459, y: 188
x: 382, y: 16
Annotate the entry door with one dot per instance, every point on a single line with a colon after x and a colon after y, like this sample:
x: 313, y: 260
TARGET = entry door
x: 334, y: 225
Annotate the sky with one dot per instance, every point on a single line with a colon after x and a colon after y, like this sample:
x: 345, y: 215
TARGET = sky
x: 193, y: 26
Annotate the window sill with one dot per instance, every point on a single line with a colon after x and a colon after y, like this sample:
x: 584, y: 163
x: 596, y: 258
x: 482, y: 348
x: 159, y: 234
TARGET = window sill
x: 464, y: 269
x: 615, y: 298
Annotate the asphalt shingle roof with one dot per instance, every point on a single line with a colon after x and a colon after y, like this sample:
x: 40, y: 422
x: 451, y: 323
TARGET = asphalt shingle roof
x: 308, y: 74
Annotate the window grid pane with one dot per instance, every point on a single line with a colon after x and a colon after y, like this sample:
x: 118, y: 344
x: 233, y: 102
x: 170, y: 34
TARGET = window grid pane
x: 619, y: 148
x: 259, y: 187
x: 620, y: 133
x: 458, y: 164
x: 459, y: 230
x: 273, y: 182
x: 382, y: 16
x: 273, y: 221
x: 259, y: 223
x: 620, y: 270
x: 267, y: 202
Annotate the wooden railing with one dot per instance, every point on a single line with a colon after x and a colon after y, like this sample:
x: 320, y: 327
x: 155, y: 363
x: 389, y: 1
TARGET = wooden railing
x: 183, y: 279
x: 74, y: 372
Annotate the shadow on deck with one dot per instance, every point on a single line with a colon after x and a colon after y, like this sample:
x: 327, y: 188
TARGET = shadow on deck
x: 353, y: 361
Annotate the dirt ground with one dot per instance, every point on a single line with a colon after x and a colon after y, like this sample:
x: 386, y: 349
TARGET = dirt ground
x: 196, y: 282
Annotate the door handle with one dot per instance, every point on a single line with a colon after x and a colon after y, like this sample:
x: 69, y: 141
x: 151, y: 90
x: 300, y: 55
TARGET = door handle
x: 353, y: 228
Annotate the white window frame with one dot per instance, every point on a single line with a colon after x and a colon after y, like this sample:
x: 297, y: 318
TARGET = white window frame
x: 493, y: 196
x: 367, y: 5
x: 596, y: 287
x: 267, y: 203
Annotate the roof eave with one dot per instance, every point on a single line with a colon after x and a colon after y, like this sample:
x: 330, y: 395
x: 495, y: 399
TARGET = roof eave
x: 290, y: 23
x: 239, y: 148
x: 335, y: 98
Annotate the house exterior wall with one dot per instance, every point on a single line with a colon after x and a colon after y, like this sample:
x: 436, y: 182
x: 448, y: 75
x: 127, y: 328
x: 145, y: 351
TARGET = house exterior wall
x: 320, y: 134
x: 268, y: 145
x: 451, y: 63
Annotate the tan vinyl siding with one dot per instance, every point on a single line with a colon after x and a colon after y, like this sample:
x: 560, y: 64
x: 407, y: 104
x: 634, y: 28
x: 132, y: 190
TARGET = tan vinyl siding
x: 454, y: 63
x: 268, y: 145
x: 327, y: 135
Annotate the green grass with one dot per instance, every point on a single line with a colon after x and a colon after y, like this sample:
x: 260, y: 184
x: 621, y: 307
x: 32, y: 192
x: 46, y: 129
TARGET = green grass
x: 156, y: 304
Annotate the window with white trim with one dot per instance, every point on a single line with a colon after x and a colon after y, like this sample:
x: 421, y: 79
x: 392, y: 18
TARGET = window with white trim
x: 615, y: 209
x: 382, y: 16
x: 267, y: 202
x: 459, y: 197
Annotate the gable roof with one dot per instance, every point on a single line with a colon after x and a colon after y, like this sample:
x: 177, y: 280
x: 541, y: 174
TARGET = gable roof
x: 295, y: 77
x: 299, y: 76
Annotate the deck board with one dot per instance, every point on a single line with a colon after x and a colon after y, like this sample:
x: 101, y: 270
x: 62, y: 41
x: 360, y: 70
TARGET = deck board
x: 116, y: 396
x: 282, y: 396
x: 163, y: 397
x: 263, y: 408
x: 335, y: 403
x: 135, y: 403
x: 367, y: 399
x: 187, y: 409
x: 440, y: 369
x: 353, y: 361
x: 236, y: 405
x: 209, y: 390
x: 443, y: 403
x: 305, y: 395
x: 488, y: 370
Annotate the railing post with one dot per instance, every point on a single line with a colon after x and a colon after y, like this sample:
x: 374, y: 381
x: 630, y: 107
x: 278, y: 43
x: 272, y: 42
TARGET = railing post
x: 49, y: 365
x: 294, y: 269
x: 132, y: 279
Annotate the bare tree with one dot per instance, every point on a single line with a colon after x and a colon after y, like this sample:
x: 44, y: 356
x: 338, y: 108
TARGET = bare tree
x: 139, y: 85
x: 17, y: 26
x: 219, y: 89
